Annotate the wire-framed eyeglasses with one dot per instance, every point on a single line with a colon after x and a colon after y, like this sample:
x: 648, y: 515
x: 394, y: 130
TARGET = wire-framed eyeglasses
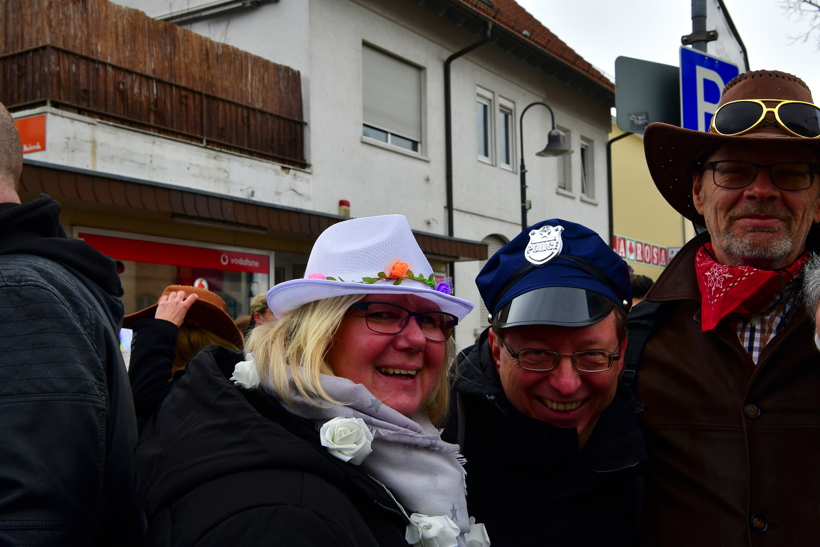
x: 542, y: 360
x: 385, y: 318
x: 793, y: 175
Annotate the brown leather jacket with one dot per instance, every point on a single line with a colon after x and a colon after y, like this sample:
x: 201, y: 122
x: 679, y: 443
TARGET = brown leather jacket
x: 734, y: 447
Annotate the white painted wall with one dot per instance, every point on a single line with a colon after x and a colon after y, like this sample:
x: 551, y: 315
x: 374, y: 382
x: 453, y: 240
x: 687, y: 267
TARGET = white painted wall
x: 86, y: 143
x: 323, y: 40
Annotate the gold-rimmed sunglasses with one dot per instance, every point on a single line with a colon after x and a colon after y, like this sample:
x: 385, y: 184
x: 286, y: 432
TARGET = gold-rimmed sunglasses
x: 797, y: 117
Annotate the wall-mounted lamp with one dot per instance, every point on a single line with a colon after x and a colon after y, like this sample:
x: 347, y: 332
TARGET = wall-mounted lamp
x: 556, y: 146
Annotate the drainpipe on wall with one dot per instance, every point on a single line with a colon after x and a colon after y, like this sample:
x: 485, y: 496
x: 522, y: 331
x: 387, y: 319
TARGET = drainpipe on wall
x: 609, y: 182
x: 448, y: 125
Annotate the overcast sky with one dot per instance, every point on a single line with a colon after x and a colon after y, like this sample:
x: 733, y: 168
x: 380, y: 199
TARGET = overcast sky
x: 602, y: 30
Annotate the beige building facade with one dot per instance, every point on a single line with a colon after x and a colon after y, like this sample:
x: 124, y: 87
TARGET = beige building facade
x: 647, y: 231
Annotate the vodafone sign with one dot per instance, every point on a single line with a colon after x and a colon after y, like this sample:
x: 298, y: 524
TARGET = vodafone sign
x: 135, y: 250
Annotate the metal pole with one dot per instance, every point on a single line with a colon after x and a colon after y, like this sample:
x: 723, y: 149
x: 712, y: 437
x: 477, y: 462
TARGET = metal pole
x: 699, y: 23
x: 448, y: 127
x: 609, y: 181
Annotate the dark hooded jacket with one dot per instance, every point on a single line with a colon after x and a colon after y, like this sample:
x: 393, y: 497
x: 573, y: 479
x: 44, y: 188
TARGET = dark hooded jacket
x: 68, y: 428
x: 528, y: 482
x: 221, y: 465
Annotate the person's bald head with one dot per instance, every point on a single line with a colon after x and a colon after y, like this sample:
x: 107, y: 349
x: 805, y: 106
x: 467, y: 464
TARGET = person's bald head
x: 11, y: 157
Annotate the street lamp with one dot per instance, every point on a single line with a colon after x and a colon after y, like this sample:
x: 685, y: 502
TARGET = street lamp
x: 555, y: 147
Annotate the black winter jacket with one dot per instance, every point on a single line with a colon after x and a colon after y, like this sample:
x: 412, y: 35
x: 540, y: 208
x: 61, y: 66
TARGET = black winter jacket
x: 220, y: 465
x: 67, y: 420
x: 528, y: 482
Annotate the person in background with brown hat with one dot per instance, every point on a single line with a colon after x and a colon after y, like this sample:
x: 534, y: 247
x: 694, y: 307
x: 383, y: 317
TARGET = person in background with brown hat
x: 729, y: 375
x: 167, y: 335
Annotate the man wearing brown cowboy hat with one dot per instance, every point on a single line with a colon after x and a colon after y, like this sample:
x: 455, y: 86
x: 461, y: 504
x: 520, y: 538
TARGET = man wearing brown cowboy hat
x: 729, y: 376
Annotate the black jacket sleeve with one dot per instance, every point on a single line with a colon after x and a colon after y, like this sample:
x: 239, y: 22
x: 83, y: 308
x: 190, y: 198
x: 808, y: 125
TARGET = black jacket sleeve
x: 153, y: 349
x: 54, y: 415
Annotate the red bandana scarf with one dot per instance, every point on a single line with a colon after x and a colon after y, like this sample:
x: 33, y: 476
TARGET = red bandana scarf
x: 737, y: 289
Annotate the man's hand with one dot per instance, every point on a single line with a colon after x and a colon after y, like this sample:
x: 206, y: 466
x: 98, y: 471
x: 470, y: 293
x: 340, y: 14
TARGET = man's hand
x: 173, y: 307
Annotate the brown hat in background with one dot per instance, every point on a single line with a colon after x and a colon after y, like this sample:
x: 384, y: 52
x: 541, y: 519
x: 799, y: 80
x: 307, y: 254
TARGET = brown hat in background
x: 672, y: 152
x: 243, y: 322
x: 208, y: 312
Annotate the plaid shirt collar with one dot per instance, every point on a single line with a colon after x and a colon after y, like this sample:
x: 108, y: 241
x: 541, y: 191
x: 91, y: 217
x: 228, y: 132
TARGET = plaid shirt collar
x: 756, y: 331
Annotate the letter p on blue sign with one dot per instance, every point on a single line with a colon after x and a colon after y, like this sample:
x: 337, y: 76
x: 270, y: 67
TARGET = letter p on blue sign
x: 702, y: 79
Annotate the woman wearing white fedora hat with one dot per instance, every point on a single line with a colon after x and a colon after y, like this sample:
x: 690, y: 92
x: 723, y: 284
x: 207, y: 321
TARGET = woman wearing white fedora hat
x: 327, y: 435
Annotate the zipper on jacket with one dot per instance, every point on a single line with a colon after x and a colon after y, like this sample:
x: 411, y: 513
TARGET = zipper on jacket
x: 492, y: 399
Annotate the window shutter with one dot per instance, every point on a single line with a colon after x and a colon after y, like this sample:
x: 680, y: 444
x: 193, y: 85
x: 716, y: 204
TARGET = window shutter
x: 392, y: 94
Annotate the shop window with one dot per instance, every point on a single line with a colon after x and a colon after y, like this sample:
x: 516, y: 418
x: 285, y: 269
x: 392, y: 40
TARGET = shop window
x: 392, y: 100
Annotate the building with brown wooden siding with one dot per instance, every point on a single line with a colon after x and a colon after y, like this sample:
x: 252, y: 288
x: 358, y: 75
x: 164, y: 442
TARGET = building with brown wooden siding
x: 204, y: 140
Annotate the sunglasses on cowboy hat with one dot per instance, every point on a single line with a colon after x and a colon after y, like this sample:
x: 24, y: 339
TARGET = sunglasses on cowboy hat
x: 796, y: 117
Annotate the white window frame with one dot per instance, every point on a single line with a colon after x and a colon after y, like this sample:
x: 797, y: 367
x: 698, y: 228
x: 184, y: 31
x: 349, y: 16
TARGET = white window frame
x: 564, y: 165
x: 506, y: 107
x: 587, y: 157
x: 485, y: 98
x: 380, y: 115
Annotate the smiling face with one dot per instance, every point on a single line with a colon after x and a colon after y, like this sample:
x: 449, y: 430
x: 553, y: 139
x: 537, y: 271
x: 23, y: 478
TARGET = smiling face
x: 760, y: 225
x: 563, y: 396
x: 401, y: 369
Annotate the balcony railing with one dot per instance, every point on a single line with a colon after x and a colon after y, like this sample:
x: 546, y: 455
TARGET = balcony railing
x: 51, y: 75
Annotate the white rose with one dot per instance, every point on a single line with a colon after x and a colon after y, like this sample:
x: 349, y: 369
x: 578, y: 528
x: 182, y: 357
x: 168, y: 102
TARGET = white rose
x: 477, y: 536
x: 348, y: 439
x: 426, y: 531
x: 245, y: 374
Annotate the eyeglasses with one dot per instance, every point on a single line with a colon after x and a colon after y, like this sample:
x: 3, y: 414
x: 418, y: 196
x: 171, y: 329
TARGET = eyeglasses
x: 541, y: 360
x: 384, y: 318
x: 796, y: 117
x: 740, y: 174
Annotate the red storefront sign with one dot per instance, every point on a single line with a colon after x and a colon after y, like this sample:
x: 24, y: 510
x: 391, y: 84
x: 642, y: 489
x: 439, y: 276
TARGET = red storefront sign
x: 179, y: 255
x: 639, y: 251
x: 32, y: 133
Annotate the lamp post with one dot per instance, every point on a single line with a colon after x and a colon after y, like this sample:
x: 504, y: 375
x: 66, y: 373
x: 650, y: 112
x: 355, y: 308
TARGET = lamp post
x: 555, y: 147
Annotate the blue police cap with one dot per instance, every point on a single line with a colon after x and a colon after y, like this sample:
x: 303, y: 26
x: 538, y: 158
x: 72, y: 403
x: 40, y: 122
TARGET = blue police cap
x: 555, y: 272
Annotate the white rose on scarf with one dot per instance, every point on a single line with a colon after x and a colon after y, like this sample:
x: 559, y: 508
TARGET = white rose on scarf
x: 426, y: 531
x: 245, y: 374
x: 348, y: 439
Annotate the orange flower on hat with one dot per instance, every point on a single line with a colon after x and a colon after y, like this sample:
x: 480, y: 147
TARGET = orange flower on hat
x: 398, y: 270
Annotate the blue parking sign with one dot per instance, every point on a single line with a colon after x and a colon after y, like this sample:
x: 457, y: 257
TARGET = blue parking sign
x: 702, y: 79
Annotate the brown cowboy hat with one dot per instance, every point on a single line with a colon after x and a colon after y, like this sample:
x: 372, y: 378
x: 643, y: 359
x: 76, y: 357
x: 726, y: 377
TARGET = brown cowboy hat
x: 208, y: 312
x: 672, y: 152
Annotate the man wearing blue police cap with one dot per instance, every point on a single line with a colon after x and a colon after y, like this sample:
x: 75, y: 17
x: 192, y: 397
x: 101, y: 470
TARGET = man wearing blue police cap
x: 553, y: 447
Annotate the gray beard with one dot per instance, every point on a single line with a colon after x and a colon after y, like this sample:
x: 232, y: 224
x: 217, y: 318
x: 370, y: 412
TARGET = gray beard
x: 742, y: 247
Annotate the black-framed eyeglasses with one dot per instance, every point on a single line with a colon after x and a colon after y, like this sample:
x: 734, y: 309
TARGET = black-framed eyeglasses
x: 542, y: 360
x: 793, y: 175
x: 385, y: 318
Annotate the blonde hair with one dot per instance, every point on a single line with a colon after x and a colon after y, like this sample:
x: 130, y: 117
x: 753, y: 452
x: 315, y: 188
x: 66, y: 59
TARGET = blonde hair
x: 191, y: 339
x: 298, y: 344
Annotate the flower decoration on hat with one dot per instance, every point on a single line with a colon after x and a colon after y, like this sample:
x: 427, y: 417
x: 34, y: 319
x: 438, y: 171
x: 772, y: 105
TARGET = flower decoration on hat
x: 397, y: 271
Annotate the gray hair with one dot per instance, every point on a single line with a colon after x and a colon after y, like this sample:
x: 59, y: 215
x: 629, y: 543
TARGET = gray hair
x: 811, y: 289
x: 811, y: 284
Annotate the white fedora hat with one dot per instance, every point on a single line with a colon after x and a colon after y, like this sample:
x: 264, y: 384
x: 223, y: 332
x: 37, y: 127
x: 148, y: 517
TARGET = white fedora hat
x: 371, y: 255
